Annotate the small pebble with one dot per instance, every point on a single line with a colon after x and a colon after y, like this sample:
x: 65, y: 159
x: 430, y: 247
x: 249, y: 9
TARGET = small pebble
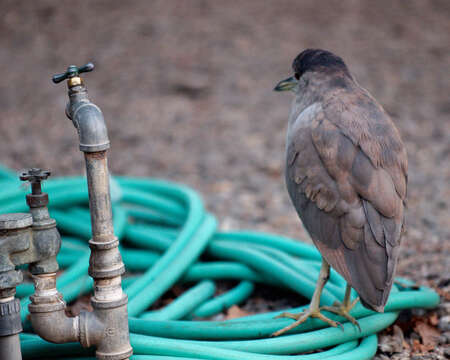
x: 443, y: 309
x: 444, y: 323
x: 381, y: 357
x: 445, y: 338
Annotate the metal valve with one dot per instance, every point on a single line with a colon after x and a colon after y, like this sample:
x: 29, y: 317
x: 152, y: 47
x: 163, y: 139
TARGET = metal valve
x: 72, y: 71
x: 35, y: 176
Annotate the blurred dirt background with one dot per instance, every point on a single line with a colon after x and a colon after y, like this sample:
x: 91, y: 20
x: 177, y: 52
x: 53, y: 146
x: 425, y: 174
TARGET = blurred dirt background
x: 186, y: 90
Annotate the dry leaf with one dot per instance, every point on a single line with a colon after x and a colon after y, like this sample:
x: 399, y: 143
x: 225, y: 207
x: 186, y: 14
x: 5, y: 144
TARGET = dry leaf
x: 433, y: 319
x: 416, y: 346
x: 406, y: 345
x: 429, y: 335
x: 392, y: 343
x: 235, y: 312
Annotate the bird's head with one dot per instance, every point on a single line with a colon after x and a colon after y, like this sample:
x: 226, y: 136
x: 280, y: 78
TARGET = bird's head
x: 312, y: 61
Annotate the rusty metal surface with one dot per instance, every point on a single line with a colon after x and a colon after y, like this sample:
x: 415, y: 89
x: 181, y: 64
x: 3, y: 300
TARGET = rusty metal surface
x: 27, y: 239
x: 115, y: 344
x: 106, y: 327
x: 14, y: 244
x: 106, y: 267
x: 99, y: 196
x: 15, y: 221
x: 47, y: 312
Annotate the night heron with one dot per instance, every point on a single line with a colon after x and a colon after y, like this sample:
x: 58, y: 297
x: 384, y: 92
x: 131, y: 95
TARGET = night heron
x: 346, y: 174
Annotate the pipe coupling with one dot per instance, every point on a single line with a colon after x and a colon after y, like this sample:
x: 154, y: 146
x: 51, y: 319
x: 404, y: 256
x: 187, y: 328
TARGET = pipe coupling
x: 106, y: 328
x: 10, y: 322
x: 115, y: 340
x: 105, y: 261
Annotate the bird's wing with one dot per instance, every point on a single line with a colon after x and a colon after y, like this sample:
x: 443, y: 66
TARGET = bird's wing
x: 346, y: 175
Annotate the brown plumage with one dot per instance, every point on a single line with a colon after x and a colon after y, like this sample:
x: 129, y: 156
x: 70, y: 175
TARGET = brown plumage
x: 346, y: 174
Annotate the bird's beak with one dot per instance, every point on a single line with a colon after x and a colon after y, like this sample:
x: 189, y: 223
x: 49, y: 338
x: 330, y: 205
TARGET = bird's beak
x: 287, y: 84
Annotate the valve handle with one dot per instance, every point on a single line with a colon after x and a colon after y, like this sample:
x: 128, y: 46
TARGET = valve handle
x: 35, y: 176
x: 72, y: 71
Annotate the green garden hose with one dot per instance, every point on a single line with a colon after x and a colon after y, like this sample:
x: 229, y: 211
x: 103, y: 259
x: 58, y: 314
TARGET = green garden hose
x: 167, y: 237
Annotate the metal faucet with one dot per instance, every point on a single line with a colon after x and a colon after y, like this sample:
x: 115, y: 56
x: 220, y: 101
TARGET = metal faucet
x: 33, y: 239
x: 24, y: 239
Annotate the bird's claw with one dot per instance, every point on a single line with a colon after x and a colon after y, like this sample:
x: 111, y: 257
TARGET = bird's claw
x: 289, y: 316
x: 302, y: 317
x: 344, y: 311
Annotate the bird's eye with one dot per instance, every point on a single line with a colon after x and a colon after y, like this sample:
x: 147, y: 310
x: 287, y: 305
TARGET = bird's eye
x: 297, y: 76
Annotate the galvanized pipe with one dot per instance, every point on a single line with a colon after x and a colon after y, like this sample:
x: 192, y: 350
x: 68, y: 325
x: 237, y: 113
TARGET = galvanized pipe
x: 99, y: 196
x: 105, y: 266
x: 33, y: 239
x: 105, y: 262
x: 16, y: 247
x: 47, y: 312
x: 10, y: 327
x: 107, y: 326
x: 10, y: 347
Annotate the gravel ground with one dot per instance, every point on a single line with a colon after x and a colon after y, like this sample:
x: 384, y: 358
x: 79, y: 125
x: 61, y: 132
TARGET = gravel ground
x: 186, y: 90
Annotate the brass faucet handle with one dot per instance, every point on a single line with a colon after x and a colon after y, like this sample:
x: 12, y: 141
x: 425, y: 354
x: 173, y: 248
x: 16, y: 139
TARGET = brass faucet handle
x: 72, y: 71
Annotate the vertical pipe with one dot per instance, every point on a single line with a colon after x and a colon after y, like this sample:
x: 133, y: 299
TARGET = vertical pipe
x: 10, y: 327
x: 10, y: 347
x: 105, y: 267
x: 99, y: 196
x: 107, y: 325
x: 105, y: 263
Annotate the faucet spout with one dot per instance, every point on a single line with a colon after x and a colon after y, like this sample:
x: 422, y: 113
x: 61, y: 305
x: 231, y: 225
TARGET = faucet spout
x: 87, y: 119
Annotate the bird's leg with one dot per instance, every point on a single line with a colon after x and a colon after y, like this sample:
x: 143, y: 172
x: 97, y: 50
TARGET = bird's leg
x: 344, y: 308
x: 313, y: 310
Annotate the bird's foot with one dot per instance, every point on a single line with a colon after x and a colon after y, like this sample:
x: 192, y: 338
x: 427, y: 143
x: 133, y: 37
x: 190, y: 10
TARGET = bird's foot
x: 302, y: 317
x: 344, y: 311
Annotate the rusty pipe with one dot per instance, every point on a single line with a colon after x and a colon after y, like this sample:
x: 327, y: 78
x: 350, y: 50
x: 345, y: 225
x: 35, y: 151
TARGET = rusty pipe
x: 102, y: 327
x: 105, y: 265
x: 47, y: 312
x: 49, y: 319
x: 24, y: 239
x: 107, y: 326
x: 53, y: 325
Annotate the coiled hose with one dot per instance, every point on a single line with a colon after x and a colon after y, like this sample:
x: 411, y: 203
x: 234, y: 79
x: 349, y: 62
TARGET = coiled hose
x: 167, y: 237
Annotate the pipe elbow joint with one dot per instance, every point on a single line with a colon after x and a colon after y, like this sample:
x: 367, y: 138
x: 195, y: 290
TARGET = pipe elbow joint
x: 47, y: 312
x: 54, y: 325
x: 90, y: 124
